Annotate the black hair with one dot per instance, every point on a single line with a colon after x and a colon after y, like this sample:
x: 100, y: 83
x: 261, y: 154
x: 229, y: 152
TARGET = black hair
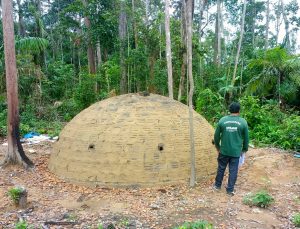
x: 234, y: 107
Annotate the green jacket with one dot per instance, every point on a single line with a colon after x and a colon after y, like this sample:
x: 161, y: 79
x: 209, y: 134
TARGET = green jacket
x: 231, y: 136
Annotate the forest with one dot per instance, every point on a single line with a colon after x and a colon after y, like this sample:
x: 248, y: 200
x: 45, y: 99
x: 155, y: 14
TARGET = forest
x: 73, y: 53
x: 58, y: 57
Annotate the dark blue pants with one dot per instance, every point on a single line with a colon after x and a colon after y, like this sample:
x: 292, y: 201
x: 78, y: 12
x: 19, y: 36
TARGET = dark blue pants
x: 233, y: 162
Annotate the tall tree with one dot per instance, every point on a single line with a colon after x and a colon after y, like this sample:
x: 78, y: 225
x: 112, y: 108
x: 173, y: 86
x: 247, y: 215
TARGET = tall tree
x: 35, y: 9
x: 267, y: 25
x: 99, y: 58
x: 168, y: 49
x: 21, y: 21
x: 253, y: 25
x: 134, y: 25
x: 189, y: 17
x: 287, y: 43
x: 239, y: 45
x: 217, y: 51
x: 122, y: 37
x: 278, y: 21
x: 147, y: 6
x: 183, y: 48
x: 90, y: 49
x: 15, y: 153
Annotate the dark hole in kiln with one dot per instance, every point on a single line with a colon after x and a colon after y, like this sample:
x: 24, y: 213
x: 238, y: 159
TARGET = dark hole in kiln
x: 91, y: 146
x: 160, y: 147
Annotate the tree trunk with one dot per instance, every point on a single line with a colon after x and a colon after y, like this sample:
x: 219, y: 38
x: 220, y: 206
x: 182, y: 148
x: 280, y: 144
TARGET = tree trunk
x: 253, y: 26
x: 160, y: 35
x: 99, y: 58
x: 77, y: 50
x: 76, y: 60
x: 287, y: 43
x: 151, y: 74
x: 128, y: 65
x: 147, y: 12
x: 21, y: 22
x: 239, y: 46
x: 90, y: 49
x: 99, y: 63
x: 122, y: 37
x: 202, y: 5
x: 267, y: 26
x: 134, y: 26
x: 39, y: 31
x: 181, y: 89
x: 189, y: 11
x: 241, y: 79
x: 217, y: 51
x: 15, y: 153
x: 168, y: 49
x: 278, y: 23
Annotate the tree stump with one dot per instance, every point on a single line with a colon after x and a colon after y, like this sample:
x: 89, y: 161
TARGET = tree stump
x: 22, y: 203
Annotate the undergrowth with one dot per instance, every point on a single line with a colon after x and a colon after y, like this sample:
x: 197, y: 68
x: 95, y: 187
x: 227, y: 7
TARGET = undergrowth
x: 296, y: 220
x: 260, y: 199
x: 269, y: 125
x: 15, y: 194
x: 201, y: 224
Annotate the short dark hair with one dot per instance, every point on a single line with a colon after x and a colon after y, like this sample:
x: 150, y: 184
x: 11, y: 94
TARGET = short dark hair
x: 234, y: 107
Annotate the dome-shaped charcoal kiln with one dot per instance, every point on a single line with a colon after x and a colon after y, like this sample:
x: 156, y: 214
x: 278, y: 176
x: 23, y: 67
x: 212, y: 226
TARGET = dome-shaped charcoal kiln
x: 133, y: 140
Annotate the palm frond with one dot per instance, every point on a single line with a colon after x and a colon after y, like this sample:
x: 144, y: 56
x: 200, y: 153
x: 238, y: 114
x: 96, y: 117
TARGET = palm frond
x: 295, y: 78
x: 229, y: 88
x: 32, y: 44
x: 261, y: 83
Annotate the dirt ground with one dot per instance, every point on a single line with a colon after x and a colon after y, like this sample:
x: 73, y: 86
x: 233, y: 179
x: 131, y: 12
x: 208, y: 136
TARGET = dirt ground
x: 53, y: 203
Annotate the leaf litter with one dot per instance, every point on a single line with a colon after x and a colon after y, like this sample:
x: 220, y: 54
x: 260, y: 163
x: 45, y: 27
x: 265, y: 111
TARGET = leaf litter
x: 54, y: 203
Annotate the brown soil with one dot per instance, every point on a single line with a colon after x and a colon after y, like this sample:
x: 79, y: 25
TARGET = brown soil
x: 51, y: 200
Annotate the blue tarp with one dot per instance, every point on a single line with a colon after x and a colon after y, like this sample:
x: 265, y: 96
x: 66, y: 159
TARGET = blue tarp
x: 31, y: 134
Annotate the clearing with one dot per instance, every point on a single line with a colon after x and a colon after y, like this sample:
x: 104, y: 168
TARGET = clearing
x: 53, y: 203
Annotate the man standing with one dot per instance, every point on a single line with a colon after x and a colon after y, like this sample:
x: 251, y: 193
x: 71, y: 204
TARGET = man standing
x: 231, y: 139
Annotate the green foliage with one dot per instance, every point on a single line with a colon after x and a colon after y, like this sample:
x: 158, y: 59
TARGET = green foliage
x: 3, y: 122
x: 260, y: 199
x: 289, y: 133
x: 68, y: 109
x: 85, y: 94
x: 273, y: 73
x: 269, y: 125
x: 30, y: 78
x: 44, y: 120
x: 60, y: 81
x: 210, y: 105
x: 72, y: 217
x: 196, y: 225
x: 296, y: 220
x: 124, y: 223
x: 15, y: 194
x: 21, y: 225
x: 111, y: 73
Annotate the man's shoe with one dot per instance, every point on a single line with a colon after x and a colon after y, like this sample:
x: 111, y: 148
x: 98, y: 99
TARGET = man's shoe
x: 216, y: 188
x: 231, y: 193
